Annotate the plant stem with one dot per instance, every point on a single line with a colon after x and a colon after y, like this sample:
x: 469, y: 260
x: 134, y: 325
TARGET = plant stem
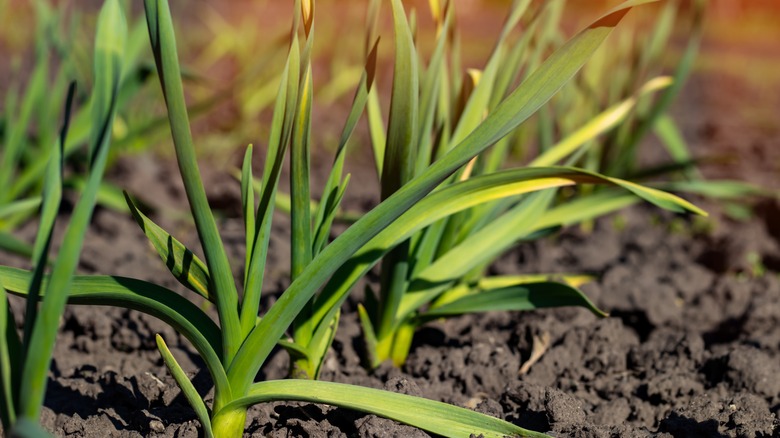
x: 229, y: 423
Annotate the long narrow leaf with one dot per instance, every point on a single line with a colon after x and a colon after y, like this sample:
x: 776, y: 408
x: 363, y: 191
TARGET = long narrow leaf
x: 145, y: 297
x: 436, y: 417
x: 300, y: 167
x: 430, y: 92
x: 463, y: 195
x: 12, y: 244
x: 186, y: 386
x: 161, y: 35
x: 520, y: 105
x: 52, y: 197
x: 248, y: 207
x: 489, y: 242
x: 335, y: 185
x: 17, y: 131
x: 603, y: 122
x: 9, y: 364
x: 281, y: 129
x: 185, y: 266
x: 20, y: 206
x: 525, y: 297
x: 111, y: 36
x: 399, y: 160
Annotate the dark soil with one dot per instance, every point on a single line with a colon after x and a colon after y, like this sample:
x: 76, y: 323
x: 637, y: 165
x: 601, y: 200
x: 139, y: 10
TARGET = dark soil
x: 692, y: 347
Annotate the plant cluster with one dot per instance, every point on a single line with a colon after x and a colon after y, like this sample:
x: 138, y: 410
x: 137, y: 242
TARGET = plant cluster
x: 28, y: 123
x: 447, y: 211
x: 25, y: 361
x: 614, y: 91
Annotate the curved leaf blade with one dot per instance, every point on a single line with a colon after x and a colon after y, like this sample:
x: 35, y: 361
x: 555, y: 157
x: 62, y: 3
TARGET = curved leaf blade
x: 540, y: 86
x: 465, y: 194
x: 10, y: 339
x: 528, y: 296
x: 436, y: 417
x: 185, y: 266
x: 163, y: 40
x: 186, y: 386
x: 111, y: 37
x: 149, y: 298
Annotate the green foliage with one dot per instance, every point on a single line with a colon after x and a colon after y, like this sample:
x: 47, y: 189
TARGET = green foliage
x: 434, y: 258
x: 613, y: 79
x: 31, y: 114
x: 425, y: 208
x: 25, y: 362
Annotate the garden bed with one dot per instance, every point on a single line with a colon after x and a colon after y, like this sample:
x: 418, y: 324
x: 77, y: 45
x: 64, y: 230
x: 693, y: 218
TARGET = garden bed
x: 692, y: 346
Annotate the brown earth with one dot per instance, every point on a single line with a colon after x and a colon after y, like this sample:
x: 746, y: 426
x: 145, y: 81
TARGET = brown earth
x: 692, y: 347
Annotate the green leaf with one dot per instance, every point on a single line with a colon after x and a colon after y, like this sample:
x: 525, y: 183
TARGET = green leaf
x: 499, y: 281
x: 627, y: 153
x: 248, y: 207
x: 430, y: 89
x: 376, y: 126
x: 16, y: 141
x: 586, y: 208
x: 402, y: 343
x: 330, y: 212
x: 463, y: 195
x: 110, y: 37
x: 52, y: 197
x: 185, y: 266
x: 20, y: 206
x: 433, y: 416
x: 521, y: 104
x: 376, y: 130
x: 25, y: 428
x: 400, y: 151
x: 369, y: 336
x: 489, y: 242
x: 672, y: 139
x: 300, y: 189
x: 161, y: 35
x: 109, y: 195
x: 528, y: 296
x: 300, y: 168
x: 187, y: 388
x: 149, y: 298
x: 513, y: 64
x: 719, y: 189
x: 281, y: 129
x: 478, y: 103
x: 317, y: 349
x: 399, y: 161
x: 296, y: 351
x: 13, y: 245
x: 8, y: 361
x: 598, y: 125
x: 334, y: 188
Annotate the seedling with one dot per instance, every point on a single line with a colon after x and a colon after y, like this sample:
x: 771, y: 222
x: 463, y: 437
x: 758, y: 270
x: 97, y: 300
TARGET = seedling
x: 323, y: 272
x: 436, y: 269
x: 30, y: 118
x: 25, y: 362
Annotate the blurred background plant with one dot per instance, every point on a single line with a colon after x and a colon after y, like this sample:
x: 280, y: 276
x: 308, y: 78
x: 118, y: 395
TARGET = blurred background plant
x: 648, y: 145
x: 49, y: 45
x: 30, y: 118
x: 25, y: 360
